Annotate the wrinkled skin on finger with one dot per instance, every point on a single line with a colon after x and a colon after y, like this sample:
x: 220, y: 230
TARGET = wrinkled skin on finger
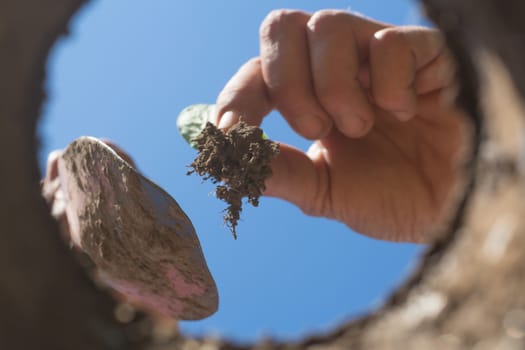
x: 375, y: 100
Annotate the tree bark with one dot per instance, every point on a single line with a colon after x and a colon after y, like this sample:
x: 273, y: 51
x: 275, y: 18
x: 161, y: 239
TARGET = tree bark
x: 467, y: 292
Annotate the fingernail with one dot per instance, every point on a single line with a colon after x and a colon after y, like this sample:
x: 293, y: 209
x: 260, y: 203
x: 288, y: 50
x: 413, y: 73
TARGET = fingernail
x: 403, y: 116
x: 355, y: 125
x: 313, y: 127
x: 228, y: 119
x: 351, y: 124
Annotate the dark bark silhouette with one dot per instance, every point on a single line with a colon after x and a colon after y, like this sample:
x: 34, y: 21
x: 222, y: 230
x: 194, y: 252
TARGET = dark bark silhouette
x: 467, y: 293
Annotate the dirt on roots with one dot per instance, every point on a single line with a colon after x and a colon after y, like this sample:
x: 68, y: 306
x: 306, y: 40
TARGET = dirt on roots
x: 238, y: 161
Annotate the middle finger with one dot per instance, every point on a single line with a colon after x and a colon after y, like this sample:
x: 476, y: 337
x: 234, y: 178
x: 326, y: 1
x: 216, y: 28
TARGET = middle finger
x: 286, y: 71
x: 338, y: 42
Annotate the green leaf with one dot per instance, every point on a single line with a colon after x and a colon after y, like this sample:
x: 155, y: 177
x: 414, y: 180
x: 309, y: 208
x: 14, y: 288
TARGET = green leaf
x: 192, y: 120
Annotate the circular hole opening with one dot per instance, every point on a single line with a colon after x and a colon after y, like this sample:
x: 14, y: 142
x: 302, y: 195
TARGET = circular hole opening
x: 128, y: 69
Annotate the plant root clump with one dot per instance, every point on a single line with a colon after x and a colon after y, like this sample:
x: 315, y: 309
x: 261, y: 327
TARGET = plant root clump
x: 238, y: 160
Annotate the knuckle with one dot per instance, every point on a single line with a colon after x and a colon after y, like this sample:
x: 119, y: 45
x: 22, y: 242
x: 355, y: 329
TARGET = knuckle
x: 328, y: 20
x: 389, y: 101
x: 280, y: 20
x: 334, y: 92
x: 310, y: 210
x: 286, y: 95
x: 384, y: 100
x: 318, y: 204
x: 389, y: 37
x: 254, y: 61
x: 331, y: 97
x: 436, y: 36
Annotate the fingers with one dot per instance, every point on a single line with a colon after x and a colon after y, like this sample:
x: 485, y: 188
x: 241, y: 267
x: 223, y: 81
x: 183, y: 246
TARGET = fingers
x: 437, y: 75
x: 243, y: 96
x: 285, y: 63
x: 300, y: 178
x: 334, y: 67
x: 337, y: 44
x: 396, y: 56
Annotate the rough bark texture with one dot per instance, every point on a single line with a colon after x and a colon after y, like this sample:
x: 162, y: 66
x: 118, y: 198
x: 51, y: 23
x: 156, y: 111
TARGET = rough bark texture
x: 467, y: 293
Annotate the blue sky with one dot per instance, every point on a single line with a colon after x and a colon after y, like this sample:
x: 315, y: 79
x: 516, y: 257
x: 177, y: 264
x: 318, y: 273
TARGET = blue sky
x: 126, y: 71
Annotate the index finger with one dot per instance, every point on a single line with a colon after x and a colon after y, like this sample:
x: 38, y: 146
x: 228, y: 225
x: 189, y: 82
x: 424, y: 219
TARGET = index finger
x: 243, y: 96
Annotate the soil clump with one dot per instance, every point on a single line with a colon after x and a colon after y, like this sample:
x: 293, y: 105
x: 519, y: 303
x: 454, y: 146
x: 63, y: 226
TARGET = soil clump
x: 238, y: 161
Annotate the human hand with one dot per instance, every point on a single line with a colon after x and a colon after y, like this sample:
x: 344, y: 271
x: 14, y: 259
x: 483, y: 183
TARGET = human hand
x: 372, y: 97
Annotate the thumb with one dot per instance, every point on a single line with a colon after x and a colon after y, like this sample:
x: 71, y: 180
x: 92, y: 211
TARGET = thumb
x: 297, y: 177
x: 300, y: 179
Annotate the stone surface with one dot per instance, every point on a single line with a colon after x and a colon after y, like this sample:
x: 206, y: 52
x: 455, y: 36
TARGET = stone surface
x: 137, y: 235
